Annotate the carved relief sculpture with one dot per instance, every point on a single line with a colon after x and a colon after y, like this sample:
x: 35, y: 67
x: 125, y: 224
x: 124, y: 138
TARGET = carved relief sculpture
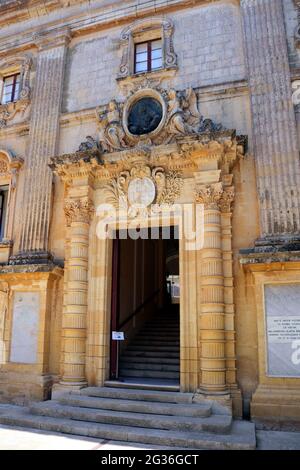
x: 111, y: 133
x: 142, y: 186
x: 156, y: 114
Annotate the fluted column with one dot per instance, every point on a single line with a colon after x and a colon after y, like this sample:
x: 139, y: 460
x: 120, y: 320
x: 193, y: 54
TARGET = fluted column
x: 43, y: 138
x: 226, y: 236
x: 274, y: 127
x: 212, y: 325
x: 78, y: 212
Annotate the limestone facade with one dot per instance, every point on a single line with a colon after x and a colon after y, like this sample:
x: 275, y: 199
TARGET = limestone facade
x: 227, y: 141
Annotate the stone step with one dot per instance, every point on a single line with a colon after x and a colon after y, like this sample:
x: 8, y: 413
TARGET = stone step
x: 140, y: 395
x: 132, y: 347
x: 216, y: 424
x: 158, y: 336
x: 160, y: 354
x: 146, y: 366
x: 150, y: 360
x: 242, y: 434
x: 152, y: 342
x: 144, y: 384
x: 138, y: 406
x: 124, y: 372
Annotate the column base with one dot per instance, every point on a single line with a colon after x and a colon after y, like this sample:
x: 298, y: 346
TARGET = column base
x: 278, y: 244
x: 31, y: 257
x: 276, y: 408
x: 62, y: 389
x: 221, y: 401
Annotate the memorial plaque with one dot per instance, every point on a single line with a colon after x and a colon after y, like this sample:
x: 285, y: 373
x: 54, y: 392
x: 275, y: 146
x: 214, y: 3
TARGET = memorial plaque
x: 24, y: 339
x: 282, y: 307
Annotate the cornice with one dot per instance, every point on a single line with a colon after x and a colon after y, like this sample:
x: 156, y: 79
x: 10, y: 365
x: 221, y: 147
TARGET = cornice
x: 103, y: 14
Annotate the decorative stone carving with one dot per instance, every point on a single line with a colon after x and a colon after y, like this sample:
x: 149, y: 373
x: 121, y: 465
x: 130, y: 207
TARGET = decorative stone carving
x: 111, y: 133
x: 9, y: 110
x: 78, y: 210
x: 209, y: 195
x: 143, y: 185
x: 178, y: 116
x: 165, y: 28
x: 88, y: 144
x: 227, y: 199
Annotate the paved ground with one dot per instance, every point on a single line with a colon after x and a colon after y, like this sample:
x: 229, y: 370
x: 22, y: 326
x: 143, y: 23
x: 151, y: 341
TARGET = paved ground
x: 30, y: 439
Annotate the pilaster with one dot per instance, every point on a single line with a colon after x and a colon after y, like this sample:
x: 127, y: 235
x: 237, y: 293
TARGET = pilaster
x: 274, y: 126
x: 43, y: 138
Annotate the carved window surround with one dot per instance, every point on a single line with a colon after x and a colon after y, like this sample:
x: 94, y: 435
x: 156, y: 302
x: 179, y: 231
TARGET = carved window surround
x: 146, y: 30
x: 297, y: 30
x: 23, y: 66
x: 9, y: 169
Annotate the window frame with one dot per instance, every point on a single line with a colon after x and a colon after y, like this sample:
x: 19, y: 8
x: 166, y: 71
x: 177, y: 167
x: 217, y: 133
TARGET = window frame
x: 4, y: 192
x: 13, y: 96
x: 149, y: 56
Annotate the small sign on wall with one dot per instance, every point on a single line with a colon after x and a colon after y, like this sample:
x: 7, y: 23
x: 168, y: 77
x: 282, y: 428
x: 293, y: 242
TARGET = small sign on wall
x: 282, y: 306
x: 118, y: 335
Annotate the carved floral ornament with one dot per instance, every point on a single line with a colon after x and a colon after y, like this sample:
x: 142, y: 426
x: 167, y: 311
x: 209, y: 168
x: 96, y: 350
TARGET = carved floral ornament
x: 78, y: 210
x: 141, y: 186
x: 24, y: 64
x: 215, y: 196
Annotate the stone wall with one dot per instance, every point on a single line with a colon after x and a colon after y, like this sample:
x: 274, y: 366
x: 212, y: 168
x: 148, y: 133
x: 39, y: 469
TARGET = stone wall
x: 207, y: 40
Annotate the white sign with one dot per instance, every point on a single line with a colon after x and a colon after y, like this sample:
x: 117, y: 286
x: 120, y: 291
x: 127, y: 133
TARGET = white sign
x: 282, y: 305
x: 118, y: 335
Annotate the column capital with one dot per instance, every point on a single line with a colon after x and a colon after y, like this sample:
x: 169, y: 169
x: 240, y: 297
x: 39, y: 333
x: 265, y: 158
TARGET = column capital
x: 51, y: 39
x: 78, y: 210
x: 227, y: 199
x: 209, y: 195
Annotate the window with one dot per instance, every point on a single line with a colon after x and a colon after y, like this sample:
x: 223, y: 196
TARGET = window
x: 11, y: 86
x: 148, y: 56
x: 3, y: 209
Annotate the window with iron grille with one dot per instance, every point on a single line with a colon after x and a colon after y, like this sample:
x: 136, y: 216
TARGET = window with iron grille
x: 11, y: 88
x: 148, y: 56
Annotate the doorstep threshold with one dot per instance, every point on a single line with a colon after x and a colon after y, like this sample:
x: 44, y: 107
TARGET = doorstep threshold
x: 142, y: 385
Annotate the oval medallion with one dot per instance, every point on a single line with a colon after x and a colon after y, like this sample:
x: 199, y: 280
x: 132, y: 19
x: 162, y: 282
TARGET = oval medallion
x: 144, y: 116
x: 141, y: 192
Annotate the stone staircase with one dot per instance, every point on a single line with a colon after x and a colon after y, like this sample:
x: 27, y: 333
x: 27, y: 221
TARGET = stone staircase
x: 154, y: 351
x: 158, y: 418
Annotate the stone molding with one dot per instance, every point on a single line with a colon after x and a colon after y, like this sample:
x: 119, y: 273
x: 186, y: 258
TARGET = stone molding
x: 8, y: 111
x: 49, y: 39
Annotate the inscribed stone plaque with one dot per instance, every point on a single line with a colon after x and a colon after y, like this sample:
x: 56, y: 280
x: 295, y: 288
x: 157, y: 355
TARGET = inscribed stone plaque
x: 24, y: 339
x: 282, y: 306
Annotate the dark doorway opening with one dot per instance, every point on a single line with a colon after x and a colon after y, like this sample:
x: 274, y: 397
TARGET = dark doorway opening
x: 145, y: 307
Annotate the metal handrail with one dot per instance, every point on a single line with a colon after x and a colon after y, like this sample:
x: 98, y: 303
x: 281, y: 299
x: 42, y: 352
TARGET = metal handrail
x: 140, y: 307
